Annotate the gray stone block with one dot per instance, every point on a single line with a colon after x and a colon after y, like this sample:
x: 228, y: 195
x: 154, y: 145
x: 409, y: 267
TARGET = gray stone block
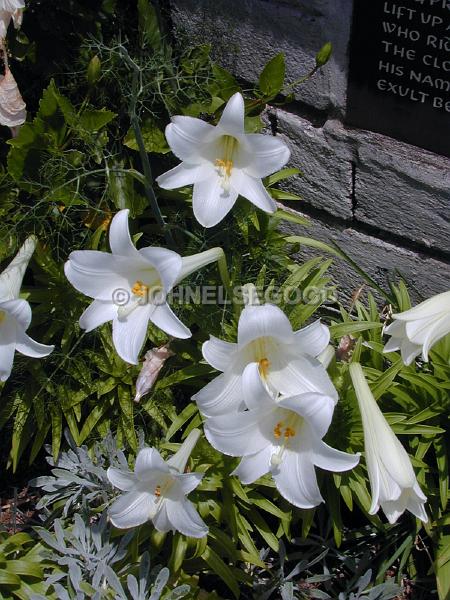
x: 424, y: 276
x: 403, y: 189
x: 245, y: 34
x: 370, y: 178
x: 326, y: 164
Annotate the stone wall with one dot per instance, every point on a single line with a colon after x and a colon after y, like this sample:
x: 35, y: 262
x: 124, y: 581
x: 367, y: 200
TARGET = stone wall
x: 386, y: 201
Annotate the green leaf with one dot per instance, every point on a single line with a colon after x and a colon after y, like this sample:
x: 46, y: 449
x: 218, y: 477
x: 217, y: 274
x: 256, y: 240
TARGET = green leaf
x: 224, y: 84
x: 94, y: 120
x: 272, y: 76
x: 281, y: 175
x: 216, y: 564
x: 340, y: 329
x: 154, y: 138
x: 442, y: 566
x: 148, y: 24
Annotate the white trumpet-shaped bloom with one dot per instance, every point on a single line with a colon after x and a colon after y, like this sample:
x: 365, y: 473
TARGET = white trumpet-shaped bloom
x: 282, y: 436
x: 15, y: 313
x: 157, y: 491
x: 416, y: 330
x: 392, y: 480
x: 222, y: 162
x: 12, y: 107
x: 10, y: 9
x: 285, y: 359
x: 130, y: 287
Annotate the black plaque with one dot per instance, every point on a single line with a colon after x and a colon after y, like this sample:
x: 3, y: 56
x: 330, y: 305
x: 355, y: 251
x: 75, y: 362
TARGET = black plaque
x: 400, y: 70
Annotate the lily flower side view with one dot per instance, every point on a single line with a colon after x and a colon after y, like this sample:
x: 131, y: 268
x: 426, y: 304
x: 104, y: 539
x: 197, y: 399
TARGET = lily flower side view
x: 15, y: 313
x: 142, y: 277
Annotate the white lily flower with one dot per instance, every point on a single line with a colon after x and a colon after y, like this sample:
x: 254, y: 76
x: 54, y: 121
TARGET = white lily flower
x: 13, y: 112
x: 157, y: 491
x: 15, y: 313
x: 286, y: 360
x: 392, y: 480
x: 416, y: 330
x: 282, y: 436
x: 222, y: 162
x: 130, y: 287
x: 10, y: 9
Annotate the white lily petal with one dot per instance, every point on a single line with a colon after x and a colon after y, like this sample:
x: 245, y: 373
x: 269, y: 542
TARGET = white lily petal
x: 11, y: 278
x: 166, y: 262
x: 186, y: 136
x: 429, y: 308
x: 189, y: 481
x: 265, y: 320
x: 220, y: 396
x: 296, y: 480
x: 132, y: 509
x: 329, y: 458
x: 240, y: 434
x: 178, y: 461
x: 160, y: 519
x: 99, y: 274
x: 437, y: 331
x: 316, y: 409
x: 218, y: 353
x: 29, y: 347
x: 193, y: 263
x: 18, y: 310
x: 185, y: 519
x: 232, y: 119
x: 254, y: 466
x: 253, y: 189
x: 182, y: 175
x: 301, y: 375
x: 313, y: 339
x: 164, y: 318
x: 122, y: 480
x: 130, y: 332
x: 98, y: 313
x: 269, y: 154
x: 409, y: 351
x: 149, y: 464
x: 119, y: 236
x: 211, y: 202
x: 254, y: 391
x: 7, y: 347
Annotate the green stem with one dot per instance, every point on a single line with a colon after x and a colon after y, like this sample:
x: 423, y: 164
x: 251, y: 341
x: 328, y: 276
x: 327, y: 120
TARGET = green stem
x: 148, y: 185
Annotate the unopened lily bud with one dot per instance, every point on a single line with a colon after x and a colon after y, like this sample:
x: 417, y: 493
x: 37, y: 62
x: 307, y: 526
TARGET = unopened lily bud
x: 94, y: 70
x: 153, y: 363
x: 324, y: 55
x: 12, y: 107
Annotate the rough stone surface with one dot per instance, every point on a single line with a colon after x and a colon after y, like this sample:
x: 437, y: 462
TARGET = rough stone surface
x: 383, y: 261
x: 245, y: 34
x: 326, y: 165
x: 370, y: 178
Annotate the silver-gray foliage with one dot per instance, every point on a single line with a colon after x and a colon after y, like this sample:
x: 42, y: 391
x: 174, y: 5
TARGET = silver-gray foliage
x: 78, y: 476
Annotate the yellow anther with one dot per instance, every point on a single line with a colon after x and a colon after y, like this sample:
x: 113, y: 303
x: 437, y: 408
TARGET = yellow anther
x: 289, y: 432
x: 264, y: 365
x: 2, y: 316
x: 140, y: 289
x: 158, y: 491
x: 225, y: 165
x: 277, y: 429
